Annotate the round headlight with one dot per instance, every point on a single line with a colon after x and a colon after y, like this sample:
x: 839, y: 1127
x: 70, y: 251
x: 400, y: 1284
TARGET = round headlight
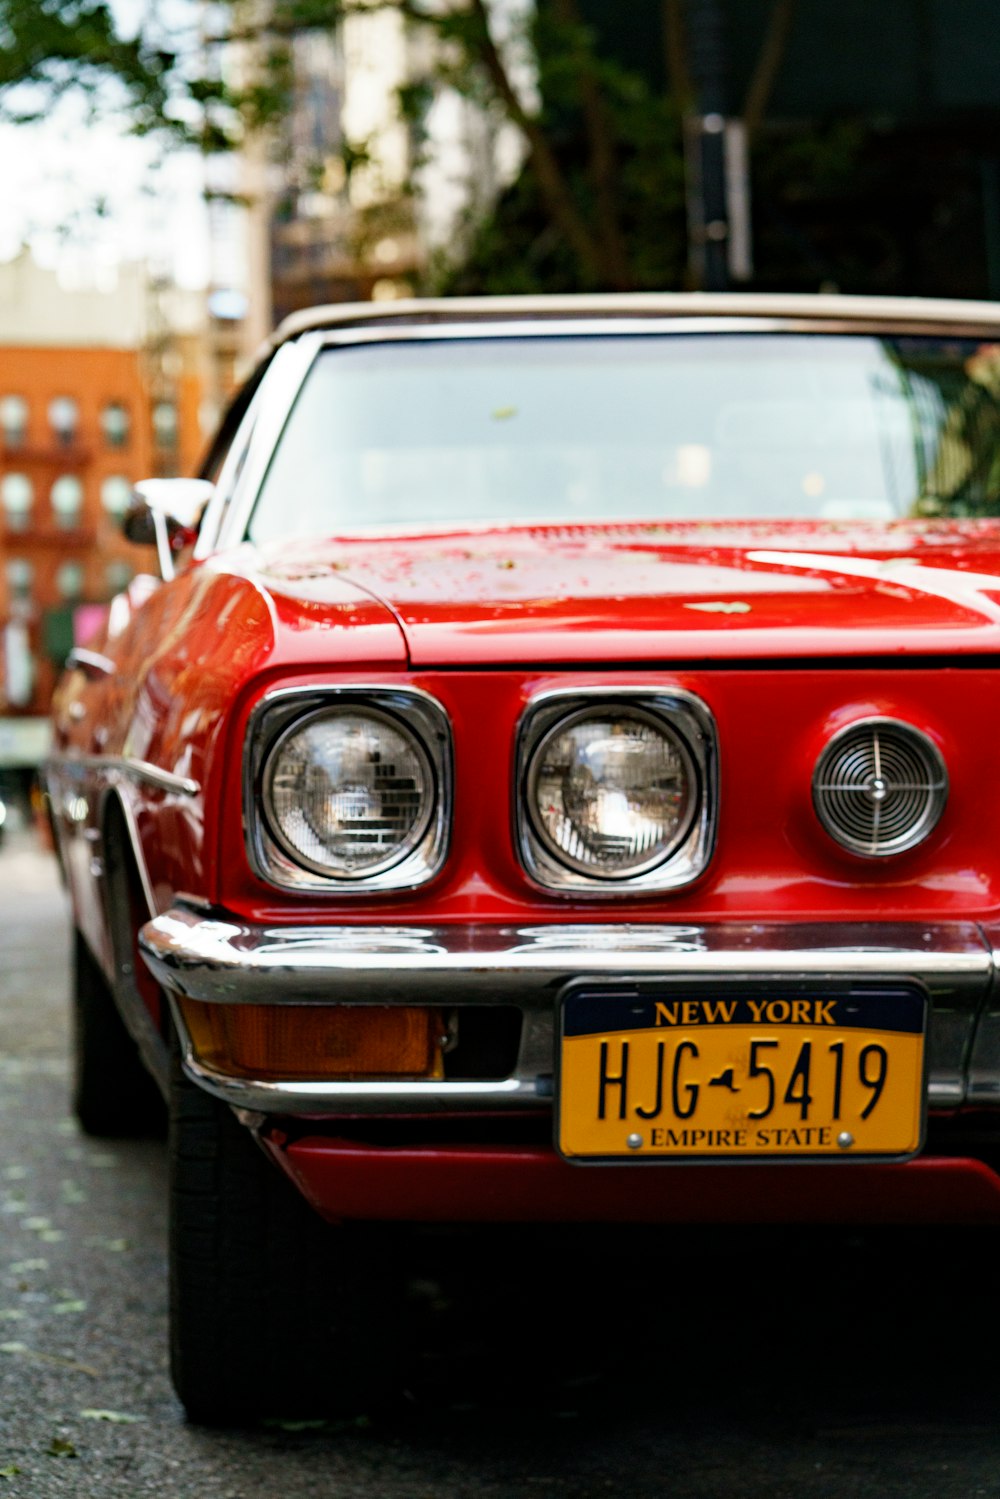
x: 348, y: 792
x: 612, y: 792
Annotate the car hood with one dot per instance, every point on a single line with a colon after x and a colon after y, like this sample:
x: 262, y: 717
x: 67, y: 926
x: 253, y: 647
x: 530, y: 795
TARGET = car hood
x: 666, y: 592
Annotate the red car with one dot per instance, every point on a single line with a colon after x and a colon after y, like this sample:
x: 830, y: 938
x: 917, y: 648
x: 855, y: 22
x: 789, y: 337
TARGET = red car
x: 554, y: 779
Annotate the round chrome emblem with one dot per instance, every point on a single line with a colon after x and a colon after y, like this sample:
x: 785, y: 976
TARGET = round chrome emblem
x: 879, y: 787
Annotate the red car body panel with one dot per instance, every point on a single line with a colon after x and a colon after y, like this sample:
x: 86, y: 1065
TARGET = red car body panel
x: 206, y: 647
x: 601, y: 594
x: 772, y: 861
x: 490, y: 1184
x: 181, y: 659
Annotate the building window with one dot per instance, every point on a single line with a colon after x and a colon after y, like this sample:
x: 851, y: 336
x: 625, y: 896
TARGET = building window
x: 118, y: 576
x: 64, y: 418
x: 165, y: 424
x: 17, y: 497
x: 69, y: 581
x: 115, y: 424
x: 13, y: 420
x: 20, y: 577
x: 116, y: 495
x: 67, y: 500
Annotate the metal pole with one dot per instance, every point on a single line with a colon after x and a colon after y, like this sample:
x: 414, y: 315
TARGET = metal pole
x: 705, y: 146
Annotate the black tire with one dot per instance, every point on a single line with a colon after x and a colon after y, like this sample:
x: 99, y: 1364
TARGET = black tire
x: 113, y: 1094
x: 272, y: 1311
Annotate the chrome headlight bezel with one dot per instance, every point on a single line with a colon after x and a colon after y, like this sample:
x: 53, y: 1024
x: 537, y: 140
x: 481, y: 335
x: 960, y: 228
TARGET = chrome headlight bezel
x: 687, y: 720
x: 279, y: 715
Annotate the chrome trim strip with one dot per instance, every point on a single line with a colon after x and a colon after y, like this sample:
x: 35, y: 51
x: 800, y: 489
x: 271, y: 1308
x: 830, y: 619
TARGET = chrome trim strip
x: 253, y: 446
x: 564, y: 323
x: 135, y: 770
x: 225, y: 961
x: 91, y: 662
x: 557, y: 326
x: 361, y: 1098
x: 161, y: 780
x: 253, y: 443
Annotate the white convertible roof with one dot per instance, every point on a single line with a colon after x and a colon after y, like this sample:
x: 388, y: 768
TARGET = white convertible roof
x: 903, y: 313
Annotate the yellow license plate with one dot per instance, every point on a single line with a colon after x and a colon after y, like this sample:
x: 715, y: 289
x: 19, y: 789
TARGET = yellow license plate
x: 711, y: 1073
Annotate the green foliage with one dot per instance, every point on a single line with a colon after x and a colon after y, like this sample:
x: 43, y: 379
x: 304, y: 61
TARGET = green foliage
x: 599, y: 203
x: 516, y: 249
x: 519, y: 248
x: 53, y: 45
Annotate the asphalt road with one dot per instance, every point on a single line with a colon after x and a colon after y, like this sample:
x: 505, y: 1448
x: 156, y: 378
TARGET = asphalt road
x: 576, y: 1363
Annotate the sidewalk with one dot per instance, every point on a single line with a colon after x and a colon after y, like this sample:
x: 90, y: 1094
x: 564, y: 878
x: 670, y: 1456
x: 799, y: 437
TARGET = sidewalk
x: 26, y: 869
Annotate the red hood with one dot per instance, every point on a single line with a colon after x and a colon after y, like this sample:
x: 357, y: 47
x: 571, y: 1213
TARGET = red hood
x: 655, y: 592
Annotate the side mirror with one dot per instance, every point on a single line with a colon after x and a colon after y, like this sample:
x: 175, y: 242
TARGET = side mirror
x: 165, y: 513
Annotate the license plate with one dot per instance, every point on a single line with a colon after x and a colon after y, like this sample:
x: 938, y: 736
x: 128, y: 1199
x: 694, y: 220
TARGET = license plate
x: 715, y: 1073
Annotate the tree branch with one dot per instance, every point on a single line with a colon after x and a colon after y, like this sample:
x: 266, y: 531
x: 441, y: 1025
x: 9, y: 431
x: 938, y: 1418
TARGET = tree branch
x: 551, y: 179
x: 675, y: 56
x: 769, y: 61
x: 603, y: 163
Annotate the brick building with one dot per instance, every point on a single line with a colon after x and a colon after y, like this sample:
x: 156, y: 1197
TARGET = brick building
x: 97, y: 390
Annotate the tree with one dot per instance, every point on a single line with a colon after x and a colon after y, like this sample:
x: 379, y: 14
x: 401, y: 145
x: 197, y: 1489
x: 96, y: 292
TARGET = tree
x: 49, y: 46
x: 599, y: 203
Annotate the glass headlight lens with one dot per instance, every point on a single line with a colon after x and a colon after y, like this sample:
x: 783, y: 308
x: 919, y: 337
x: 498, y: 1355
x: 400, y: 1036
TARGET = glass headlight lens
x: 348, y: 792
x: 612, y: 793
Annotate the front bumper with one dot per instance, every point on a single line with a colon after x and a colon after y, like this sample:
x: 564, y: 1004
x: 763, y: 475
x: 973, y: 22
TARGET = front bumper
x: 217, y: 959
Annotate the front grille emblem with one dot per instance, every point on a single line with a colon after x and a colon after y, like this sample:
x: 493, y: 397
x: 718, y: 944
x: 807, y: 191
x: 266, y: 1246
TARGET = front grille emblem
x: 880, y: 787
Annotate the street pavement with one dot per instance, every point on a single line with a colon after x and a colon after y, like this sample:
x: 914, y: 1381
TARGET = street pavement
x: 583, y: 1363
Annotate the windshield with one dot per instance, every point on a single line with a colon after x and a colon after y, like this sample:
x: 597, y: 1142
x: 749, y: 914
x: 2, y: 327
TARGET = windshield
x: 676, y: 426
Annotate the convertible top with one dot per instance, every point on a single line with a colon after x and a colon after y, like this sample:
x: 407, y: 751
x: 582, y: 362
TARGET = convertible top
x: 901, y: 314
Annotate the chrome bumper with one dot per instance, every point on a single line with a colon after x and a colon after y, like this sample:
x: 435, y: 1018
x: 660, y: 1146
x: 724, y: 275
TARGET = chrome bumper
x: 207, y: 957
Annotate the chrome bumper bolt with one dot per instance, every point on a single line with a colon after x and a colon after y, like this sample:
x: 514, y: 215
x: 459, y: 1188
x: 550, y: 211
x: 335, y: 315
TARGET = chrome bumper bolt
x: 845, y: 1140
x: 634, y: 1142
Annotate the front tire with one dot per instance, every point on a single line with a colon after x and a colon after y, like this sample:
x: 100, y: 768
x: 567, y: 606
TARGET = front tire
x: 114, y: 1097
x: 272, y: 1311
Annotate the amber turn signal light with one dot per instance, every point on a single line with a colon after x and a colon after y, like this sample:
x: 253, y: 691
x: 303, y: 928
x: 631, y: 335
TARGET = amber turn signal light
x: 276, y: 1043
